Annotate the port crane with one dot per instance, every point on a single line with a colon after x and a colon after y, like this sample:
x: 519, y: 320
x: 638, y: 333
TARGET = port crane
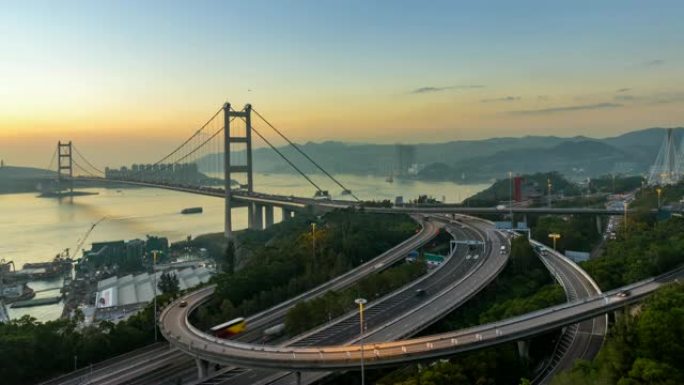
x: 80, y: 243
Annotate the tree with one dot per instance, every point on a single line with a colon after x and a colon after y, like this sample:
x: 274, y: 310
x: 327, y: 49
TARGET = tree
x: 168, y: 283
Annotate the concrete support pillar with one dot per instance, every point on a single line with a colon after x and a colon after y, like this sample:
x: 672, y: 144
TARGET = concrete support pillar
x: 299, y: 377
x: 202, y: 368
x: 258, y: 217
x: 525, y: 220
x: 287, y: 214
x: 599, y: 225
x: 268, y: 216
x: 524, y: 350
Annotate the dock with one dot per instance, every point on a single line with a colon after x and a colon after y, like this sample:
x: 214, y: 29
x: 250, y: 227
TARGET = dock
x: 36, y: 302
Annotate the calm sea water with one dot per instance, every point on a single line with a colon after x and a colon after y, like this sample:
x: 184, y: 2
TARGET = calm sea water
x: 35, y: 229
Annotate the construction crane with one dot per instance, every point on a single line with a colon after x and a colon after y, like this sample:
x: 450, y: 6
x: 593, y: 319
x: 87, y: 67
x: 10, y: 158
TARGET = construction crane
x: 80, y: 243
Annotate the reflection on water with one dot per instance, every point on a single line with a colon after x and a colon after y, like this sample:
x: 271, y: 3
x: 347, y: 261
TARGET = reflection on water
x: 35, y: 229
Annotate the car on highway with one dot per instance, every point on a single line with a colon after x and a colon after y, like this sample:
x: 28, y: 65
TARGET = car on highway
x: 623, y: 293
x: 183, y: 304
x: 420, y: 292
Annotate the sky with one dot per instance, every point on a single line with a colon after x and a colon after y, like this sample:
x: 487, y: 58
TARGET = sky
x: 128, y: 80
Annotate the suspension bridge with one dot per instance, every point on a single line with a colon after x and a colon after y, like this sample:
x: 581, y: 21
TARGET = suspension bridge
x: 216, y: 160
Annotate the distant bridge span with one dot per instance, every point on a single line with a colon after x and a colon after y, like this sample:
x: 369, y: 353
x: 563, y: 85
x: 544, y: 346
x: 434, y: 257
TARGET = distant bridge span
x: 299, y: 203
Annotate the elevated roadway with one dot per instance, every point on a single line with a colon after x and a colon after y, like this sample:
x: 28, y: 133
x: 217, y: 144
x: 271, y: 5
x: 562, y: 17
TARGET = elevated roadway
x: 293, y: 203
x: 167, y: 362
x: 181, y: 333
x: 402, y: 313
x: 577, y: 341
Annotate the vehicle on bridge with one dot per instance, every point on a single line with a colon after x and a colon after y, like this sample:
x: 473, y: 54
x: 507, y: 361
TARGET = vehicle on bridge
x: 230, y: 328
x: 322, y: 195
x: 274, y: 332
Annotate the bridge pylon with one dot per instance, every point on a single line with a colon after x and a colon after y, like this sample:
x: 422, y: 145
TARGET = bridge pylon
x: 230, y: 139
x: 65, y: 165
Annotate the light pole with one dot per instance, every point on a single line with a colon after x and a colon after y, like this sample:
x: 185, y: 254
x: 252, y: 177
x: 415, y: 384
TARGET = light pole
x: 659, y: 191
x: 555, y: 237
x: 548, y: 183
x: 625, y: 206
x: 313, y: 240
x: 361, y: 302
x: 154, y: 279
x: 510, y: 190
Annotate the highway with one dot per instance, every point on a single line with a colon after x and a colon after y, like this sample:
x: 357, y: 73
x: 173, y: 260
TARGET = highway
x: 172, y: 363
x: 182, y: 334
x: 240, y: 197
x: 578, y: 341
x: 402, y: 313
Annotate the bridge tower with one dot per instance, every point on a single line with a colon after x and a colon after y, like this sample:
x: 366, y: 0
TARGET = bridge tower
x: 233, y: 142
x: 65, y: 166
x: 667, y: 167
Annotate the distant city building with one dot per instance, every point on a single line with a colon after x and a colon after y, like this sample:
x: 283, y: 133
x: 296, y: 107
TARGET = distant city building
x: 406, y: 158
x: 184, y: 173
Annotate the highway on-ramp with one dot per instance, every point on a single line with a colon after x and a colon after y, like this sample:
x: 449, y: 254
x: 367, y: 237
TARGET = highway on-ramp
x: 182, y: 334
x: 146, y: 366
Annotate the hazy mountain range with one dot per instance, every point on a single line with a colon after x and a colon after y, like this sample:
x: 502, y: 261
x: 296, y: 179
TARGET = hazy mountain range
x: 476, y: 160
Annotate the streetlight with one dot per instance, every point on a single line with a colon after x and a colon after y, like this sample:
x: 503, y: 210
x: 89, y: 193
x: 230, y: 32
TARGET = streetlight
x: 625, y: 206
x: 154, y: 279
x: 361, y: 302
x: 510, y: 190
x: 313, y: 239
x: 659, y: 191
x: 548, y: 183
x: 555, y: 237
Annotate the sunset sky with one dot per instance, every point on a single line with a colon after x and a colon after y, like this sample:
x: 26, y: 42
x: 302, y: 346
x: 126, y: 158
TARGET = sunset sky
x: 127, y: 80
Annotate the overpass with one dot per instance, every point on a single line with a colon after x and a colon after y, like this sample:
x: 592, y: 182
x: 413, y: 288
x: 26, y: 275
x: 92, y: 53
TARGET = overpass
x: 146, y: 361
x: 180, y: 333
x: 401, y: 314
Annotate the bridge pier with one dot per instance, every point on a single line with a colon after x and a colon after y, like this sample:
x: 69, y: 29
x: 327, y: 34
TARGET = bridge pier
x: 256, y: 217
x: 599, y: 225
x: 287, y: 214
x: 268, y: 214
x: 524, y: 350
x: 299, y: 377
x: 202, y: 368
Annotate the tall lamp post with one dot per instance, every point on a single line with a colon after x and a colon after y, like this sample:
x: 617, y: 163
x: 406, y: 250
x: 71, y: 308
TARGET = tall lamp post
x: 510, y: 190
x: 154, y: 283
x: 555, y: 237
x: 361, y: 302
x: 548, y: 184
x: 659, y: 191
x: 313, y: 239
x: 624, y: 204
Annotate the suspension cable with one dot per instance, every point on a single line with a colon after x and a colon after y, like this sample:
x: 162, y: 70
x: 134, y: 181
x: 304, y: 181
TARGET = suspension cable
x: 86, y: 160
x: 304, y: 154
x: 75, y: 163
x: 287, y: 160
x: 189, y: 139
x: 201, y: 145
x: 52, y: 160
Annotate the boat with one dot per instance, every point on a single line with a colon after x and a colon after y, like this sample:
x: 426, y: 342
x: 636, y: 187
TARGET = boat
x: 192, y: 210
